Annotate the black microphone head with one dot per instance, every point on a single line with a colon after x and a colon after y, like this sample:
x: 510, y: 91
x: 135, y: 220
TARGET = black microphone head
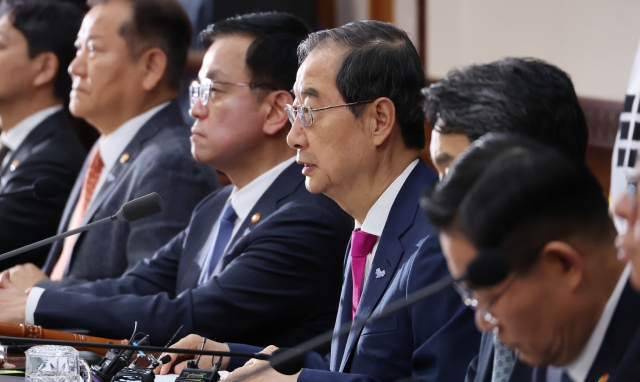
x: 287, y: 361
x: 140, y: 208
x: 487, y: 269
x: 165, y: 359
x: 46, y: 188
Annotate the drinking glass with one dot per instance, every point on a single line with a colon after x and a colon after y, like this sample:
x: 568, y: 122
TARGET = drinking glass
x: 53, y: 363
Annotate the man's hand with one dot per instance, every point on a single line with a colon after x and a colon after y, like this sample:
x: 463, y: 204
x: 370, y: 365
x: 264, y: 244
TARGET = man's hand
x: 192, y: 341
x: 26, y: 276
x: 13, y: 301
x: 267, y: 374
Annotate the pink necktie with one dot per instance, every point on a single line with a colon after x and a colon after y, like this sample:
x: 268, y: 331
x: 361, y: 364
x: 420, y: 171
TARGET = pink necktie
x: 361, y: 245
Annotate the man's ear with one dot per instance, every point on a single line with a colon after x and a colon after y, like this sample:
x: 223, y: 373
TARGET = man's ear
x: 152, y: 63
x: 563, y: 262
x: 46, y: 67
x: 382, y: 117
x: 276, y: 117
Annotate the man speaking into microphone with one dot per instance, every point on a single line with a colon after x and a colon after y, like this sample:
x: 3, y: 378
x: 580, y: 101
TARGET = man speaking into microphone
x: 261, y: 260
x: 358, y: 129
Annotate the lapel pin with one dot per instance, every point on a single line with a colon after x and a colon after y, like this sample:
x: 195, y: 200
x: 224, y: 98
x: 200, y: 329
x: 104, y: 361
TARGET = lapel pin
x: 124, y: 158
x: 246, y: 231
x: 604, y: 378
x: 14, y: 165
x: 255, y: 218
x: 380, y: 273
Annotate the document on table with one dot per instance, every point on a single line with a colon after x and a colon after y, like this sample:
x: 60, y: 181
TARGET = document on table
x: 172, y: 377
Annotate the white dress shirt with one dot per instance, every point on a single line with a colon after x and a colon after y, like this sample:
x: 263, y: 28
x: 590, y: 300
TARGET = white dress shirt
x: 579, y: 368
x: 111, y: 147
x: 377, y: 216
x: 16, y: 135
x: 243, y: 200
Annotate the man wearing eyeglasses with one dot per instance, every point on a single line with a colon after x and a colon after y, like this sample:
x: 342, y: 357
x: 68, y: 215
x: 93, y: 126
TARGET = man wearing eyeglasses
x: 261, y: 259
x: 567, y: 306
x: 358, y: 130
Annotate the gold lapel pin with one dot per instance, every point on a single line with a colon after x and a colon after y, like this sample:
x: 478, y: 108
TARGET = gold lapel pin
x: 604, y: 378
x: 124, y: 158
x: 255, y: 218
x: 14, y: 165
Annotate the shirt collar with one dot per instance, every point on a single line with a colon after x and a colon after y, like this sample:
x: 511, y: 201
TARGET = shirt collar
x: 377, y: 216
x: 14, y: 137
x: 111, y: 145
x: 579, y: 368
x: 245, y: 198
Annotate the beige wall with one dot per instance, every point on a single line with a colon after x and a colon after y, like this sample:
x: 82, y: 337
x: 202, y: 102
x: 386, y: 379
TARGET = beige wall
x: 593, y: 40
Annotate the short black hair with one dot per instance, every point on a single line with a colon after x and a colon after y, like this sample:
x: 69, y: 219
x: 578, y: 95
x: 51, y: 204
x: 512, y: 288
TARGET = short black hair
x: 514, y: 194
x: 48, y: 26
x: 380, y: 61
x: 271, y: 57
x: 520, y: 95
x: 162, y: 24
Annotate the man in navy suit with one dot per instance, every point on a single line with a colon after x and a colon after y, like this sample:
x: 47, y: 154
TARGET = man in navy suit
x: 125, y: 81
x: 566, y: 306
x: 358, y: 130
x: 37, y: 140
x: 261, y: 259
x: 519, y: 95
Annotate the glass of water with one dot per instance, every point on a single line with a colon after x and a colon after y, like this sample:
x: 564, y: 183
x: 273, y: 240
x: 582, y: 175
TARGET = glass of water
x: 53, y: 363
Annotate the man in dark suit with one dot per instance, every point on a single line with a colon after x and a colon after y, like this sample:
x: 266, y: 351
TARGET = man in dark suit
x: 125, y: 80
x: 261, y: 259
x: 566, y: 300
x: 519, y: 95
x: 37, y: 140
x: 366, y: 158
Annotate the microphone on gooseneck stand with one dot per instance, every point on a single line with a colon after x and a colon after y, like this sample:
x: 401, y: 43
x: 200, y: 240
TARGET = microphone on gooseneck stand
x: 43, y: 188
x: 130, y: 211
x: 487, y: 269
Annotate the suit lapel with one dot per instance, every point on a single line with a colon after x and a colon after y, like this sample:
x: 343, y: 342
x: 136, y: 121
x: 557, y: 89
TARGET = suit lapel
x: 284, y: 185
x: 390, y: 249
x: 163, y: 118
x: 43, y: 130
x: 625, y: 322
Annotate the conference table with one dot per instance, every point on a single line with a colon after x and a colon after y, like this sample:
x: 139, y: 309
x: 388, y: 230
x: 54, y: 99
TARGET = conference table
x: 6, y: 378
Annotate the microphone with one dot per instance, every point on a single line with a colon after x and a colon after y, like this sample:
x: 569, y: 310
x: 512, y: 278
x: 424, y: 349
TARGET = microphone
x: 43, y: 188
x: 130, y: 211
x: 487, y: 269
x: 484, y: 271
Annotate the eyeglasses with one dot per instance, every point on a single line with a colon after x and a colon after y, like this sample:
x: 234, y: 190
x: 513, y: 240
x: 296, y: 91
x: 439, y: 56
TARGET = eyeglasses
x: 469, y: 299
x: 202, y: 90
x: 306, y: 113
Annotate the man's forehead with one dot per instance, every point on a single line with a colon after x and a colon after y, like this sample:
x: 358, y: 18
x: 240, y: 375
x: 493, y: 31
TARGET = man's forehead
x: 316, y: 76
x: 104, y: 19
x: 226, y: 58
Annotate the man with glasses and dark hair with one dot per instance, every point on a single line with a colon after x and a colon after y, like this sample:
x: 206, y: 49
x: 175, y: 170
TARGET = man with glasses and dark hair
x: 37, y: 141
x: 261, y: 260
x: 358, y: 129
x: 567, y: 305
